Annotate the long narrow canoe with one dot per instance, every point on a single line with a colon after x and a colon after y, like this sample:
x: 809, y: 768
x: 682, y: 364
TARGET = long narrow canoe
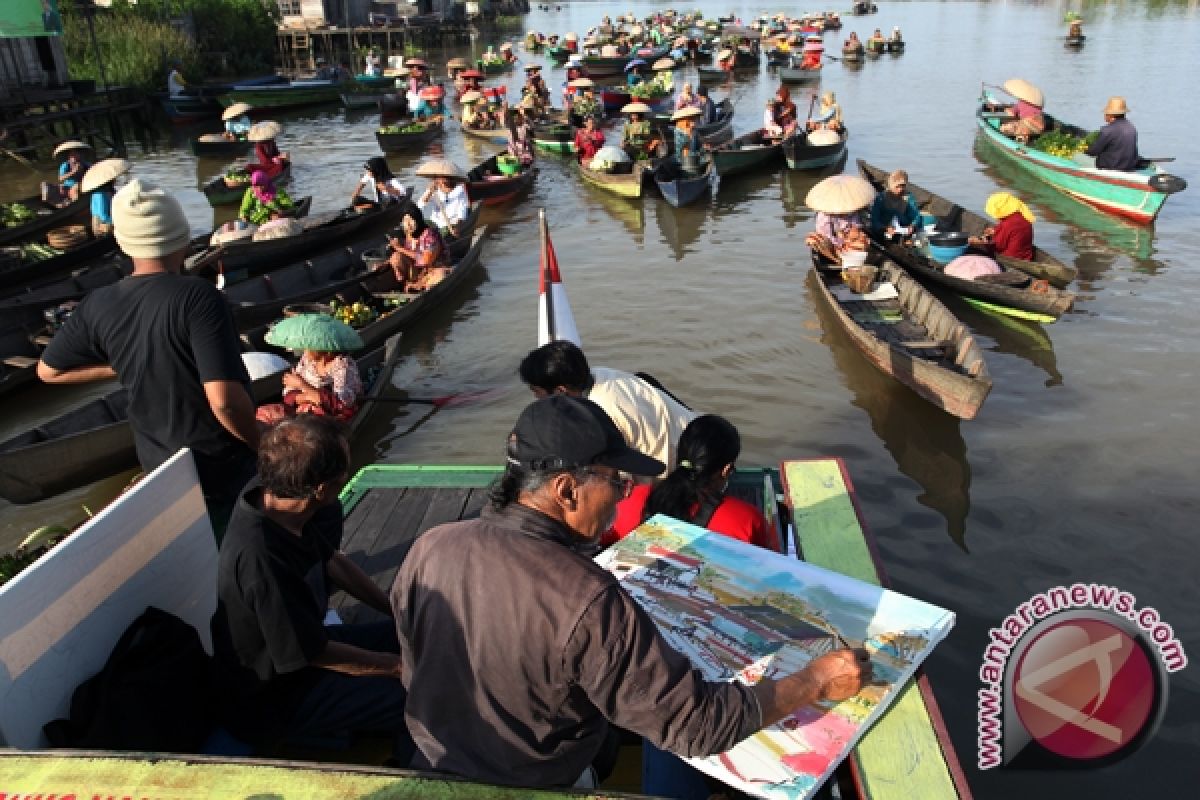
x: 953, y: 217
x: 796, y: 76
x: 47, y: 217
x: 293, y: 95
x: 397, y: 310
x: 410, y: 140
x: 557, y: 137
x: 95, y: 440
x: 1138, y: 195
x: 627, y: 183
x: 16, y: 279
x: 241, y: 258
x: 679, y: 188
x: 802, y: 155
x: 745, y: 153
x: 216, y: 146
x: 19, y: 354
x: 219, y: 194
x: 912, y: 337
x: 486, y: 184
x: 492, y: 135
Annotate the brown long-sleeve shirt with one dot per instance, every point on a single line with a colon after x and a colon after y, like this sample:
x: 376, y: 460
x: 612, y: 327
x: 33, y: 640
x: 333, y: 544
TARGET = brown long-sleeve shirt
x: 518, y: 651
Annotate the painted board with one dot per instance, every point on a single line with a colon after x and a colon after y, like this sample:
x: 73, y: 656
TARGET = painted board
x: 740, y: 612
x: 61, y: 617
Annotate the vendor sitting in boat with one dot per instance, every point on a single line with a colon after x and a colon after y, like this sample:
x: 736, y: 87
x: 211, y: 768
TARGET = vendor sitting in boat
x: 639, y: 138
x: 877, y: 42
x: 852, y: 44
x: 784, y: 111
x: 686, y: 98
x: 270, y: 159
x: 635, y: 73
x: 325, y: 383
x: 828, y: 116
x: 470, y: 80
x: 444, y: 202
x: 725, y: 59
x: 490, y: 57
x: 237, y: 122
x: 378, y: 186
x: 1012, y: 236
x: 475, y: 116
x: 840, y: 202
x: 101, y: 182
x: 687, y: 138
x: 1116, y: 146
x: 588, y: 140
x: 419, y: 258
x: 811, y: 59
x: 431, y: 106
x: 896, y: 37
x: 70, y: 173
x: 520, y: 136
x: 535, y: 86
x: 263, y: 201
x: 506, y: 54
x: 771, y: 128
x: 663, y: 81
x: 1026, y: 118
x: 895, y: 211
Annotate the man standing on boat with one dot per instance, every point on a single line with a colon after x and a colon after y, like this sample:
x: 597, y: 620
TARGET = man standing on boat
x: 171, y: 342
x: 650, y: 419
x: 519, y: 651
x: 1116, y: 147
x: 280, y: 670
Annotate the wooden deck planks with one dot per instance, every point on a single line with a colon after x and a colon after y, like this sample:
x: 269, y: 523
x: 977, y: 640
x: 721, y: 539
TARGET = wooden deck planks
x: 901, y: 756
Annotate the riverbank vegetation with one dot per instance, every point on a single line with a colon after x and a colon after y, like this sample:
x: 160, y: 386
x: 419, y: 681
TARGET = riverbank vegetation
x: 211, y: 38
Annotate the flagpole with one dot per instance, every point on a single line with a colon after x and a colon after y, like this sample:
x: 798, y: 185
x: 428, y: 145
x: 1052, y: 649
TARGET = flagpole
x: 547, y: 282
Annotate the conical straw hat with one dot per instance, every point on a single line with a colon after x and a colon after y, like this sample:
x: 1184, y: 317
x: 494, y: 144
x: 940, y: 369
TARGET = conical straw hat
x: 470, y: 97
x: 724, y: 54
x: 1024, y: 90
x: 636, y: 108
x: 69, y: 145
x: 236, y: 110
x: 664, y: 63
x: 102, y: 172
x: 582, y: 83
x: 840, y: 194
x: 440, y: 168
x: 264, y: 131
x: 457, y: 63
x: 686, y: 113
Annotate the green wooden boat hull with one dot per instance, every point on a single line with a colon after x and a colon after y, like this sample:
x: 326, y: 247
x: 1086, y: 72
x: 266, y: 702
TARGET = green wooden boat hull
x: 1126, y: 194
x: 267, y: 97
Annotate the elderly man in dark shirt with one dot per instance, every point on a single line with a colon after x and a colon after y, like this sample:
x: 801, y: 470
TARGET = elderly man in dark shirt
x: 1116, y: 146
x: 519, y: 651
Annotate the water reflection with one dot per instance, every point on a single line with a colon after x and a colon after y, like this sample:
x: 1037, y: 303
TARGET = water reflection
x: 680, y: 227
x: 794, y: 186
x: 1084, y: 228
x: 926, y: 442
x: 1021, y: 338
x: 630, y: 212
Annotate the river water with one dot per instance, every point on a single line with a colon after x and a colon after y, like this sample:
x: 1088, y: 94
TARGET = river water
x: 1081, y: 465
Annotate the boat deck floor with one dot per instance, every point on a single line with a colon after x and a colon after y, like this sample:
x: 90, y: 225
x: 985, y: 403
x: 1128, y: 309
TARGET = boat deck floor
x: 885, y: 319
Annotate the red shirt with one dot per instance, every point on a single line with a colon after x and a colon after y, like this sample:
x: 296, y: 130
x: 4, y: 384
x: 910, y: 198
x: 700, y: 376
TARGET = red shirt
x: 734, y: 518
x: 587, y: 144
x: 1013, y: 237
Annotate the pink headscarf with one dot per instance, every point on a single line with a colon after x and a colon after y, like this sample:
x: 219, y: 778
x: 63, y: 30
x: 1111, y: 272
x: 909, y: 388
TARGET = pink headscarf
x: 264, y: 188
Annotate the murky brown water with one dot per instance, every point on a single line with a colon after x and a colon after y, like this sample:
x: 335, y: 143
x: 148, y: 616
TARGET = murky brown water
x: 1082, y: 463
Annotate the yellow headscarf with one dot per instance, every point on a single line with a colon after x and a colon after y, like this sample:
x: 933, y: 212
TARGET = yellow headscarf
x: 1002, y: 204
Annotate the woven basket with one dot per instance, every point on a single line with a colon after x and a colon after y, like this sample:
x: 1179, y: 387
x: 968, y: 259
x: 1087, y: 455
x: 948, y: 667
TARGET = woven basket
x: 859, y: 279
x: 67, y: 237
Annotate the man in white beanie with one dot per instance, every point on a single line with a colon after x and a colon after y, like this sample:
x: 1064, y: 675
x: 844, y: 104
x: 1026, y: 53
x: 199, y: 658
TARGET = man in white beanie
x: 171, y: 342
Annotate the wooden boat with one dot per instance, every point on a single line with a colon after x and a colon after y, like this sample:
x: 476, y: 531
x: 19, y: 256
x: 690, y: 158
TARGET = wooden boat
x: 290, y: 95
x: 797, y: 76
x: 47, y: 217
x: 25, y: 308
x: 485, y: 183
x: 853, y: 54
x: 714, y: 74
x: 219, y: 147
x: 895, y: 46
x: 714, y: 134
x: 876, y: 46
x: 95, y: 440
x: 244, y: 258
x: 31, y: 271
x: 1074, y: 41
x: 412, y: 140
x: 360, y: 100
x: 779, y: 58
x: 863, y: 7
x: 491, y: 135
x: 557, y: 137
x: 600, y: 66
x: 494, y: 67
x: 627, y: 183
x: 1138, y: 195
x: 396, y: 309
x: 614, y: 99
x: 912, y: 338
x: 19, y: 354
x: 801, y: 155
x: 219, y: 194
x: 953, y: 217
x: 458, y: 245
x: 680, y: 188
x: 745, y: 153
x: 558, y: 55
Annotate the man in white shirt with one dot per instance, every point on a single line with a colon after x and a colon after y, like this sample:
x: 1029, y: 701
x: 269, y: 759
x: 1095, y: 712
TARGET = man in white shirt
x: 445, y: 202
x: 650, y: 419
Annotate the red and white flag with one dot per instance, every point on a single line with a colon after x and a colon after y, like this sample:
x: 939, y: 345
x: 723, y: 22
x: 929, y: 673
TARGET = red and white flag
x: 555, y: 320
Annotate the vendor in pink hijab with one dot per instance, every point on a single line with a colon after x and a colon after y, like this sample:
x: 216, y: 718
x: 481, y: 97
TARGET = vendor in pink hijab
x: 263, y: 202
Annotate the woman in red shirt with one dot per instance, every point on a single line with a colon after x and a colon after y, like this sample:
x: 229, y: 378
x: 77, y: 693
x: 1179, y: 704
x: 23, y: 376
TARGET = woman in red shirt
x: 588, y: 140
x: 695, y: 490
x: 1012, y: 235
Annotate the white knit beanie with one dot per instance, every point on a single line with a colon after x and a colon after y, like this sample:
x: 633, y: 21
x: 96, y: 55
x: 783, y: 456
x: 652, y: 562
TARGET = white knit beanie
x: 148, y: 222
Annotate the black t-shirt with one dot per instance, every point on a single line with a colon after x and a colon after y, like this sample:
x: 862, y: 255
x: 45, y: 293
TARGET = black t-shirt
x: 271, y: 596
x: 165, y: 335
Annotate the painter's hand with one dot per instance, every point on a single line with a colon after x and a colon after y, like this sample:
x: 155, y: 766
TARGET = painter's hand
x: 842, y: 673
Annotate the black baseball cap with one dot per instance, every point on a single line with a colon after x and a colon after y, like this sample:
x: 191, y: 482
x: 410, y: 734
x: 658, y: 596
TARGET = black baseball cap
x: 563, y: 432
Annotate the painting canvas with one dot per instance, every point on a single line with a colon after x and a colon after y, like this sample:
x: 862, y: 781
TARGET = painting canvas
x: 740, y: 612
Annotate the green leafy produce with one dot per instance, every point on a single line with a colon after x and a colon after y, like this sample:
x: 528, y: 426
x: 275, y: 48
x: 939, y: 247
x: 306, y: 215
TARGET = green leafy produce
x: 34, y: 547
x: 412, y: 127
x: 1062, y: 144
x: 14, y: 214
